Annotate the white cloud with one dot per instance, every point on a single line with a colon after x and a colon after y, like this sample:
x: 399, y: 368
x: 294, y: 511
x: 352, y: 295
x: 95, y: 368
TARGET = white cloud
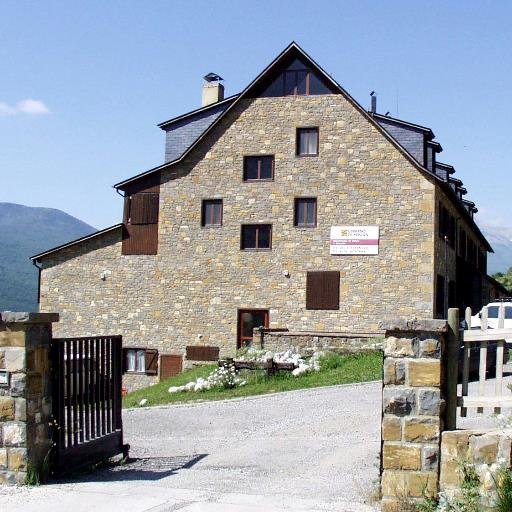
x: 29, y: 106
x: 33, y: 107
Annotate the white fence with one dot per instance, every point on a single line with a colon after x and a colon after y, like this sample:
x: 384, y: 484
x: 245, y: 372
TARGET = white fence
x: 487, y: 340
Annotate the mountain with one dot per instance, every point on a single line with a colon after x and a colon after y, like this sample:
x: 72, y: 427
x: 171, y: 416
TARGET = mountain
x: 25, y: 231
x: 500, y: 239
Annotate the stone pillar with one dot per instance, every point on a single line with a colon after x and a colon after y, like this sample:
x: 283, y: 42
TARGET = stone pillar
x: 412, y: 405
x: 25, y: 393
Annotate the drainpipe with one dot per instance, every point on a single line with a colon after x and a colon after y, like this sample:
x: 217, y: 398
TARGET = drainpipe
x: 34, y: 262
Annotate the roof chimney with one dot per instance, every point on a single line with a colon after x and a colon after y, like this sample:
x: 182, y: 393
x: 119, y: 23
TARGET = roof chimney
x: 213, y: 90
x: 374, y: 102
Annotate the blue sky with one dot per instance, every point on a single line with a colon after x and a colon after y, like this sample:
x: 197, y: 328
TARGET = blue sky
x: 83, y: 84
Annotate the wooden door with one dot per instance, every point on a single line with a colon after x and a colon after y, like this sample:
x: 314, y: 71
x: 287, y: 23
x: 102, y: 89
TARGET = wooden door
x: 248, y: 319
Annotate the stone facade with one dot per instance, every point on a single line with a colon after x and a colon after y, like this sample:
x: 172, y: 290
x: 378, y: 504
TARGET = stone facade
x: 25, y: 403
x: 487, y: 451
x: 412, y: 408
x: 189, y: 293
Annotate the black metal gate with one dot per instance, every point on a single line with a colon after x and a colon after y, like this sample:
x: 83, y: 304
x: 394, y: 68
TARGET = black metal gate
x: 86, y: 401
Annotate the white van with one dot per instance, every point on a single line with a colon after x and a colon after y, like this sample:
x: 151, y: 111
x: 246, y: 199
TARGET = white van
x: 493, y: 309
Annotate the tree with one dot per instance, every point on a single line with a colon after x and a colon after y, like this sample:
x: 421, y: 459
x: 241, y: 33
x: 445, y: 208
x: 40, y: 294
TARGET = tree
x: 504, y: 278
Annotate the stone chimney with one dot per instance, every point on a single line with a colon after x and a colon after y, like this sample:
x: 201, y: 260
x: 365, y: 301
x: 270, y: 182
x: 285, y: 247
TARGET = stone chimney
x: 213, y: 90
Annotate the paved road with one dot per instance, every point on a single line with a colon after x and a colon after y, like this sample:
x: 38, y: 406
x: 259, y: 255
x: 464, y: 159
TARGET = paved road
x: 308, y: 450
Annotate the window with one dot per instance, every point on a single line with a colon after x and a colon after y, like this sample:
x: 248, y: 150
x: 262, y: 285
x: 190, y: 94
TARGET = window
x: 259, y: 168
x: 440, y: 307
x: 248, y: 320
x: 256, y: 236
x: 135, y: 361
x: 296, y: 82
x: 305, y: 212
x: 493, y: 311
x: 211, y: 212
x: 297, y: 79
x: 307, y: 141
x: 140, y: 360
x: 323, y: 290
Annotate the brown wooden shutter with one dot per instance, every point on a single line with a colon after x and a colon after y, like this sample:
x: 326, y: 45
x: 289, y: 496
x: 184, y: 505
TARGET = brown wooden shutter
x: 323, y: 290
x: 202, y: 353
x: 170, y: 365
x: 141, y: 239
x: 144, y: 209
x: 151, y: 361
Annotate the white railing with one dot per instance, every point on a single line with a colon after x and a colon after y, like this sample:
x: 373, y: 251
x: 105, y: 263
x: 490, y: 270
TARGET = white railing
x: 480, y: 338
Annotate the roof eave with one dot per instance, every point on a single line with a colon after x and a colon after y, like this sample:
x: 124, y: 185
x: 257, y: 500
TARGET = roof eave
x: 419, y: 127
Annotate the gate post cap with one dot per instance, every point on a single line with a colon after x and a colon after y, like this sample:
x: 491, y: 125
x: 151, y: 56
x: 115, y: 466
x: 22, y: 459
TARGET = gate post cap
x: 25, y: 317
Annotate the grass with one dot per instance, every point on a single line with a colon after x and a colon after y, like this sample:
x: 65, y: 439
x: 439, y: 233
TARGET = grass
x: 336, y: 369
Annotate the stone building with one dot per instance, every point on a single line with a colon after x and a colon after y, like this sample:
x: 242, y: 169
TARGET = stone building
x: 287, y: 205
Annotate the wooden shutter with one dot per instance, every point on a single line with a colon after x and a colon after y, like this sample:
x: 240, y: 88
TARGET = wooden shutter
x: 170, y: 365
x: 323, y: 290
x: 202, y: 353
x: 144, y: 209
x: 151, y: 361
x: 140, y: 239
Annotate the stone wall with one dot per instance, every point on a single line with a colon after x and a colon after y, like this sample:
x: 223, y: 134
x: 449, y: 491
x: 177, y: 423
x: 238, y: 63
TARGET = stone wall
x: 412, y: 407
x: 277, y: 341
x: 25, y: 403
x: 486, y: 451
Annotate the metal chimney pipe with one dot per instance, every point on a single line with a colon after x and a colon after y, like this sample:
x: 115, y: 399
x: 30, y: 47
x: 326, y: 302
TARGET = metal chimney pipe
x: 374, y: 102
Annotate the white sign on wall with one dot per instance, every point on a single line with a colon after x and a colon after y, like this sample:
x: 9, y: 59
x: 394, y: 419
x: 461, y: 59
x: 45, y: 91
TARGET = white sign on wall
x: 354, y: 240
x: 4, y: 379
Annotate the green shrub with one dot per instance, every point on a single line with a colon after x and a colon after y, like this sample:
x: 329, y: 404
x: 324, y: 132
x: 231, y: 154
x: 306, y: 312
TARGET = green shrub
x: 504, y: 489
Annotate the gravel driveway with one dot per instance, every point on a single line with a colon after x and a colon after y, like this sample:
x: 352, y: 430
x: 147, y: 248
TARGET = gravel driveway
x: 308, y: 450
x: 320, y: 442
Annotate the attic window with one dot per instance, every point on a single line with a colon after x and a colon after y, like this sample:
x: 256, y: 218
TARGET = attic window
x: 297, y: 79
